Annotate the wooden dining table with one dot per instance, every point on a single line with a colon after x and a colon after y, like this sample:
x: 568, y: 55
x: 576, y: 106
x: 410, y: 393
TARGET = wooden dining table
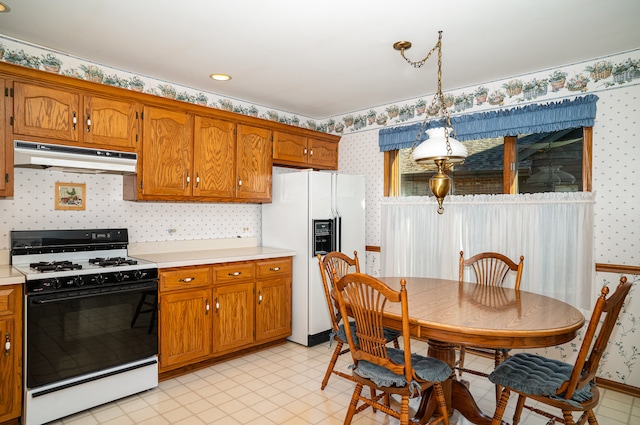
x: 447, y: 313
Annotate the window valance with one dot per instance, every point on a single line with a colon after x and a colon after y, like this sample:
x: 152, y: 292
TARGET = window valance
x: 534, y: 118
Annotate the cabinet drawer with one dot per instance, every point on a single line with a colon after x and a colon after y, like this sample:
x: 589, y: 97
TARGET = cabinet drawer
x: 184, y: 278
x: 8, y: 296
x: 275, y: 267
x: 233, y: 272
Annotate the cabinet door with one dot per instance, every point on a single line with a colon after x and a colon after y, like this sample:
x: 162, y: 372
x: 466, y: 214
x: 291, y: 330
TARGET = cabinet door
x: 6, y: 146
x: 214, y: 157
x: 233, y: 317
x: 184, y: 327
x: 273, y: 308
x: 254, y: 163
x: 110, y: 123
x: 323, y: 154
x: 11, y: 358
x: 289, y: 149
x: 167, y: 153
x: 45, y: 112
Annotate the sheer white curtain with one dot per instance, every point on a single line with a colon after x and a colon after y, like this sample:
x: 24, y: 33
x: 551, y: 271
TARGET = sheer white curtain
x: 554, y: 232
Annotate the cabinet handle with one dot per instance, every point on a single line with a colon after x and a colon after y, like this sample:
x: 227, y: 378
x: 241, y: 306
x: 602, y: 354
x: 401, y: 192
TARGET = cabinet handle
x: 88, y: 123
x: 207, y: 307
x: 274, y: 269
x: 187, y: 279
x: 305, y: 151
x: 259, y: 297
x: 239, y: 183
x: 197, y: 179
x: 217, y: 305
x: 188, y: 179
x: 74, y: 121
x: 7, y: 344
x: 235, y: 274
x: 311, y: 152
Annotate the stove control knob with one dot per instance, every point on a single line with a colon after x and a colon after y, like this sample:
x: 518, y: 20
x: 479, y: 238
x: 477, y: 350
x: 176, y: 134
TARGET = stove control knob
x: 55, y: 283
x: 100, y: 279
x: 120, y: 276
x: 139, y: 274
x: 78, y: 281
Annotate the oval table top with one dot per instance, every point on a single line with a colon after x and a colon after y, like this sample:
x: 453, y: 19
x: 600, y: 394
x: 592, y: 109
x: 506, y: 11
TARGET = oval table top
x: 468, y: 313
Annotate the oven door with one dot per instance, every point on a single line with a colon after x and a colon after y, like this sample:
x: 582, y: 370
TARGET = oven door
x: 79, y: 332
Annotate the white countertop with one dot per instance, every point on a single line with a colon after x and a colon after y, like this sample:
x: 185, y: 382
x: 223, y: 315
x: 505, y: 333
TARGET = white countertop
x: 10, y: 276
x: 213, y: 256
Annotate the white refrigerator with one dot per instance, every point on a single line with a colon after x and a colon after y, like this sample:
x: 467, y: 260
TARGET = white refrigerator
x: 314, y: 212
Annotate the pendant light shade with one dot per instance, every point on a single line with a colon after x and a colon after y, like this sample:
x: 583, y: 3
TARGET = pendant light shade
x: 440, y: 145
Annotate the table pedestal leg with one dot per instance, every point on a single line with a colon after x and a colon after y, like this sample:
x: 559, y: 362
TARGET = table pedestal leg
x: 457, y: 396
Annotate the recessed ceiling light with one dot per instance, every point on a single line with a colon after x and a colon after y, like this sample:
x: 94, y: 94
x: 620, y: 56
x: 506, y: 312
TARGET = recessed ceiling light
x: 220, y: 77
x: 4, y: 8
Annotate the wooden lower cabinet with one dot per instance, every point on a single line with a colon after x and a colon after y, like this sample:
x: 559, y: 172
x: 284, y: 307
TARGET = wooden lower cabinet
x: 273, y: 299
x: 233, y: 306
x: 273, y: 309
x: 214, y: 310
x: 185, y: 327
x: 11, y: 356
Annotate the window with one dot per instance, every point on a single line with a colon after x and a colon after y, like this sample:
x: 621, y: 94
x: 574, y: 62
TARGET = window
x: 555, y: 161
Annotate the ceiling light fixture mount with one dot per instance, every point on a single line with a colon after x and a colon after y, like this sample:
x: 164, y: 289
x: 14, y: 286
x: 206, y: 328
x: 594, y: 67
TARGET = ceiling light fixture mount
x: 440, y: 148
x: 220, y: 77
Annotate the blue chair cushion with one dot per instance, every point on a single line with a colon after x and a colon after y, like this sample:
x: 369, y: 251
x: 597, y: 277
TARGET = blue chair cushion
x: 389, y: 334
x: 537, y: 375
x: 426, y: 368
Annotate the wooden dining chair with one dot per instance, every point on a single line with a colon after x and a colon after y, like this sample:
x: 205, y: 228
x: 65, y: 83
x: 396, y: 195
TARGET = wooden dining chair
x: 364, y: 298
x: 341, y: 264
x: 570, y: 388
x: 490, y: 269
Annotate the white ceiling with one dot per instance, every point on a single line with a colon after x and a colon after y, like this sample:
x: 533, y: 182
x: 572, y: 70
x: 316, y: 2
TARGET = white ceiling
x: 328, y: 57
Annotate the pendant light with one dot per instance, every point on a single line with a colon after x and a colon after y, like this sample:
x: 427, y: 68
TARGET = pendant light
x: 440, y: 146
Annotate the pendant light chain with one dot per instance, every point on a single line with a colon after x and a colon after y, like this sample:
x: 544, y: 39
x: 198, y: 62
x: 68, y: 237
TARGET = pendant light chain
x: 438, y: 99
x: 446, y: 119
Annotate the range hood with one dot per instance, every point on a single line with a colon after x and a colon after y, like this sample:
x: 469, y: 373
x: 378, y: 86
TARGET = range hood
x: 73, y: 159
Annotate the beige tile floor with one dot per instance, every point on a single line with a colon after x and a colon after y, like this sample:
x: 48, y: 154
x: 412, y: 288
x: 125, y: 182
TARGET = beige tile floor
x: 282, y: 386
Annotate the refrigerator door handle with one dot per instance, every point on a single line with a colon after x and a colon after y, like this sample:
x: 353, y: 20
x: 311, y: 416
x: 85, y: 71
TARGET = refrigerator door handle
x: 336, y: 211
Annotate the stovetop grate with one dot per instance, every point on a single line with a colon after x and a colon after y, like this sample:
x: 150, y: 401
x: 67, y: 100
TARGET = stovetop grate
x: 54, y: 266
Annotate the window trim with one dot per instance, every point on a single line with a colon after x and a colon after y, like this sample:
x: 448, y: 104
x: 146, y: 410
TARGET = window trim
x: 510, y: 175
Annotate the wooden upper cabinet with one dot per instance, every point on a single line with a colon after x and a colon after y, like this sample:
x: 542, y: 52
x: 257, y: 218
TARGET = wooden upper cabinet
x: 6, y: 148
x: 289, y: 148
x: 45, y: 113
x: 110, y: 123
x: 323, y: 154
x: 167, y: 153
x: 253, y: 163
x: 201, y: 158
x: 214, y: 143
x: 298, y: 150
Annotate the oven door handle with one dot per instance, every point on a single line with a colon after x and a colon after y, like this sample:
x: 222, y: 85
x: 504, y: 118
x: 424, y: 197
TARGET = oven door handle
x: 91, y: 294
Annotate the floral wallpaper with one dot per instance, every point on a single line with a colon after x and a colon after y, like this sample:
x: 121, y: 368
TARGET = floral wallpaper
x: 25, y: 54
x: 590, y: 76
x: 623, y: 352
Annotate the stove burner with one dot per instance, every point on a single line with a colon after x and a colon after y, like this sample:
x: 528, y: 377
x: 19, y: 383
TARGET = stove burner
x: 112, y: 261
x: 54, y: 266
